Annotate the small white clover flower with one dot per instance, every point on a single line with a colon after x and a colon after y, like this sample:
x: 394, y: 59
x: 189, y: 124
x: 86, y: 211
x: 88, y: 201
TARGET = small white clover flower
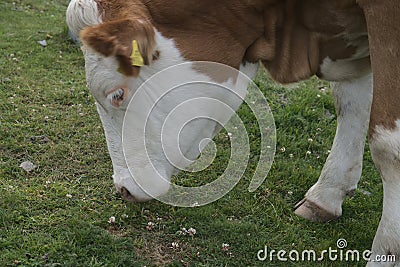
x: 310, y: 140
x: 150, y: 226
x: 308, y: 152
x: 283, y: 149
x: 225, y: 247
x: 111, y: 220
x: 191, y: 231
x: 175, y: 245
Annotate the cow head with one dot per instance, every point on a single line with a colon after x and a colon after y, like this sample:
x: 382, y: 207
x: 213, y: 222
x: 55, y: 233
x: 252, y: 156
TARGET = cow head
x: 124, y: 55
x: 115, y: 52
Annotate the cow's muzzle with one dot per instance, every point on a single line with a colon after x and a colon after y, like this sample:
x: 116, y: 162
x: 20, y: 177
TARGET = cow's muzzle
x: 127, y: 196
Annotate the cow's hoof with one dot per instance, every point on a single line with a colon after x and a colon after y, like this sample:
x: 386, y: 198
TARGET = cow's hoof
x: 127, y: 196
x: 312, y: 212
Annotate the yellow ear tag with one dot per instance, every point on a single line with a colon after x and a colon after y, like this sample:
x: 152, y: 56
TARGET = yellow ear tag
x: 136, y: 57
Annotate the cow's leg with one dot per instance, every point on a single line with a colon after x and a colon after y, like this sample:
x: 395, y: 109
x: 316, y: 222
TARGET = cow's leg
x: 382, y: 21
x: 342, y: 170
x: 385, y: 149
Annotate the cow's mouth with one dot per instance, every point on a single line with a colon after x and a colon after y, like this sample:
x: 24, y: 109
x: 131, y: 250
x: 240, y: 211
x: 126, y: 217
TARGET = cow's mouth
x: 127, y: 196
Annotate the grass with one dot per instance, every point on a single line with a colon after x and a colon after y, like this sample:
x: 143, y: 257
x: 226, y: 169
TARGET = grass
x: 57, y: 215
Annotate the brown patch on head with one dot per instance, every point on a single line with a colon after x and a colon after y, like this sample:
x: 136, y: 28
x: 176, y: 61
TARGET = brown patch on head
x: 114, y: 38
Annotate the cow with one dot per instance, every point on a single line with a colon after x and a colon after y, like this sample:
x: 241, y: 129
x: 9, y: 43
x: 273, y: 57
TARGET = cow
x: 354, y: 44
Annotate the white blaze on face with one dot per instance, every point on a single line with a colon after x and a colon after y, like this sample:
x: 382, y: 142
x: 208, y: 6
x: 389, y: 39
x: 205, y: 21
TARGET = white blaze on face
x: 170, y: 119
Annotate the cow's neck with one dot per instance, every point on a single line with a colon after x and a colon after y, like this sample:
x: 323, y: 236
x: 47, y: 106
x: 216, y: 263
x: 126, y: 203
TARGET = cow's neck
x: 117, y: 9
x: 292, y: 38
x: 210, y: 30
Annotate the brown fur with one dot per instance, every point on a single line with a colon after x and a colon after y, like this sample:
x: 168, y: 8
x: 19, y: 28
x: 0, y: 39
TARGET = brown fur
x: 383, y: 20
x: 209, y: 30
x: 305, y: 32
x: 290, y: 37
x: 124, y: 21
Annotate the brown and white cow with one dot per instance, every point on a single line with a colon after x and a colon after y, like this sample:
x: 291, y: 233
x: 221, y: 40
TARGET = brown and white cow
x: 338, y: 40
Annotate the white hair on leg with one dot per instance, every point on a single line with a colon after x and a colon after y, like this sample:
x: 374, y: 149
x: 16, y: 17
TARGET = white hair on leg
x: 385, y: 147
x: 342, y: 170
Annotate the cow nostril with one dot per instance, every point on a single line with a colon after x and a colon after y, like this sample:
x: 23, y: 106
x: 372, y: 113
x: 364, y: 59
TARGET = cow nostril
x: 126, y: 195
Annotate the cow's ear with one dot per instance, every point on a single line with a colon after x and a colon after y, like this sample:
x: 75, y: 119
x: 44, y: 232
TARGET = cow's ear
x: 131, y: 41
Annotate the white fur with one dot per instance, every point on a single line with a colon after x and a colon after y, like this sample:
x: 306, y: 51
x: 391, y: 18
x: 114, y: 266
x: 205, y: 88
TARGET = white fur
x: 358, y: 65
x: 342, y: 169
x: 81, y: 14
x: 173, y: 138
x: 102, y: 75
x: 344, y: 70
x: 385, y: 149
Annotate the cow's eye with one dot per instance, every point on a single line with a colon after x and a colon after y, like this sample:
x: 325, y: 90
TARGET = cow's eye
x: 118, y: 95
